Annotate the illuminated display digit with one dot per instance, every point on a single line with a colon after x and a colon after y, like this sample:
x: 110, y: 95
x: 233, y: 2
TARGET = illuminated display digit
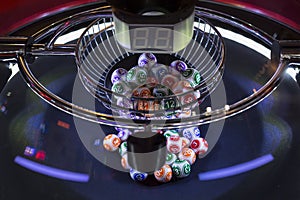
x: 141, y: 38
x: 154, y: 38
x: 162, y: 38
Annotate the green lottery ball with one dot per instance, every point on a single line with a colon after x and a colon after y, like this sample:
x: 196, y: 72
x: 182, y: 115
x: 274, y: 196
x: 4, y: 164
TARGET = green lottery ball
x: 138, y: 176
x: 123, y: 148
x: 170, y: 158
x: 168, y: 133
x: 137, y: 75
x: 181, y: 168
x: 121, y: 87
x: 192, y: 76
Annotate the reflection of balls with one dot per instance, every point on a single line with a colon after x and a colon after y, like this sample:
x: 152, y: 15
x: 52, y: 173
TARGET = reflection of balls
x: 138, y: 176
x: 174, y: 144
x: 199, y: 145
x: 164, y: 174
x: 188, y: 155
x: 111, y: 142
x: 148, y: 59
x: 181, y: 168
x: 118, y: 74
x: 170, y: 158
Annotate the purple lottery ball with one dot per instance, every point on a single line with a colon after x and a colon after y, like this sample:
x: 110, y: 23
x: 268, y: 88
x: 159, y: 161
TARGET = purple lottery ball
x: 147, y: 59
x: 118, y: 74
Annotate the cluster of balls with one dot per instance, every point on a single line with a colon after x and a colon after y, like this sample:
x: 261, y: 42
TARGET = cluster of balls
x: 183, y: 147
x: 150, y: 80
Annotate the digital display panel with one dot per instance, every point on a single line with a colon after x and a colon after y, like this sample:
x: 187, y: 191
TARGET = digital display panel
x: 151, y: 38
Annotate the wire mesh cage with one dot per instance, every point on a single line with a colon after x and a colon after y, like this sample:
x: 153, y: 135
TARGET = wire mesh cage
x: 99, y: 54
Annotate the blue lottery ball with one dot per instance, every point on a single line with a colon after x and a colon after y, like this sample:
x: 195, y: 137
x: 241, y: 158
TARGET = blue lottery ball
x: 138, y: 176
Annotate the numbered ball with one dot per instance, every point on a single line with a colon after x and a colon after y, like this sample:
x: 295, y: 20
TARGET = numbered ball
x: 188, y: 155
x: 174, y: 144
x: 138, y: 176
x: 160, y: 91
x: 181, y: 168
x: 185, y: 142
x: 191, y: 133
x: 192, y: 76
x: 121, y: 87
x: 199, y: 146
x: 124, y: 134
x: 182, y: 87
x: 147, y: 59
x: 118, y: 74
x: 111, y: 142
x: 137, y: 75
x: 170, y: 158
x: 177, y: 67
x: 164, y: 174
x: 168, y: 133
x: 124, y: 162
x: 123, y: 148
x: 159, y: 71
x: 169, y: 81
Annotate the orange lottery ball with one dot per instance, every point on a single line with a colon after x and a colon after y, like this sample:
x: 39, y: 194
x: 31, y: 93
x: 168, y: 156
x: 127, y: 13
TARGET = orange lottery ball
x: 111, y: 142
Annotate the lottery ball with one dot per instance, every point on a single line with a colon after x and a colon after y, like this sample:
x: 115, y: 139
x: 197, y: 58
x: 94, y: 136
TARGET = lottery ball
x: 188, y: 155
x: 170, y: 158
x: 192, y: 76
x: 111, y: 142
x: 169, y: 81
x: 168, y: 133
x: 182, y: 87
x: 177, y: 67
x: 181, y: 168
x: 164, y: 174
x: 199, y: 146
x: 147, y: 59
x: 174, y: 144
x: 160, y: 91
x: 138, y: 176
x: 151, y: 81
x: 142, y: 92
x: 121, y: 87
x: 191, y: 133
x: 185, y: 142
x: 123, y: 148
x: 123, y: 134
x: 159, y: 71
x: 118, y: 74
x: 137, y: 75
x: 124, y: 162
x: 184, y: 113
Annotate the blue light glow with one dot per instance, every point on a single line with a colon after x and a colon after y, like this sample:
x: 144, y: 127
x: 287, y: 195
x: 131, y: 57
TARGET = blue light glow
x: 51, y: 171
x: 236, y: 169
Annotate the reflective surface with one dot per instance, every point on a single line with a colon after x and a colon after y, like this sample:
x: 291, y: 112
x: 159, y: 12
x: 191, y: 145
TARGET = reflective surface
x: 45, y: 156
x: 42, y: 134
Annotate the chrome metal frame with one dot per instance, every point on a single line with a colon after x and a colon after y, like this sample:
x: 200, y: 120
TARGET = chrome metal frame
x: 15, y: 49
